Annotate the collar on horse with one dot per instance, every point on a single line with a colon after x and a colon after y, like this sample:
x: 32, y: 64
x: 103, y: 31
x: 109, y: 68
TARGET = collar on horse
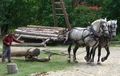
x: 94, y: 32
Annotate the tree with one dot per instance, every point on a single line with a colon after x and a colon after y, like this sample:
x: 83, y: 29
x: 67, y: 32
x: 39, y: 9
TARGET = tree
x: 3, y: 16
x: 15, y: 13
x: 111, y: 9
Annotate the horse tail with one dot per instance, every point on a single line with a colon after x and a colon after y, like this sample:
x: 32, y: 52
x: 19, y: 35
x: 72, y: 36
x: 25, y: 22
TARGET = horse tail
x: 68, y: 38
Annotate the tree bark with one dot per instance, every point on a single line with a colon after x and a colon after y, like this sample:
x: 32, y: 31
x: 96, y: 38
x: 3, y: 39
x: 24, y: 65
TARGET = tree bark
x: 27, y: 52
x: 30, y: 44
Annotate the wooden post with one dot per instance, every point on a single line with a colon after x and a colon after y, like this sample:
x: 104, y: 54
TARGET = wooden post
x: 65, y: 15
x: 54, y: 13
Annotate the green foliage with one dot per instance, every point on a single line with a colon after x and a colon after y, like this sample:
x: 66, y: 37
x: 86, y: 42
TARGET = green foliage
x: 82, y: 15
x: 21, y: 12
x: 111, y: 10
x: 17, y: 13
x: 89, y: 2
x: 117, y: 38
x: 2, y: 14
x: 94, y: 2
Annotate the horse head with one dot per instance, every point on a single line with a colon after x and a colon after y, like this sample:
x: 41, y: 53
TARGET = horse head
x: 112, y: 25
x: 100, y: 26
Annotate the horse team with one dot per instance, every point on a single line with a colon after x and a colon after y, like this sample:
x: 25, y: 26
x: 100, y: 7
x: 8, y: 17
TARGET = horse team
x: 98, y: 34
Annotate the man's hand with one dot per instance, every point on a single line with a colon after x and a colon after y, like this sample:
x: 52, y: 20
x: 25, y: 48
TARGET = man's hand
x: 21, y: 42
x: 8, y: 44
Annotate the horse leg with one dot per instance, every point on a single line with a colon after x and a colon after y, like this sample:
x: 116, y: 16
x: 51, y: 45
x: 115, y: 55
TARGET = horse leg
x: 87, y: 57
x: 91, y: 52
x: 93, y: 55
x: 74, y: 53
x: 69, y: 50
x: 108, y: 53
x: 99, y: 54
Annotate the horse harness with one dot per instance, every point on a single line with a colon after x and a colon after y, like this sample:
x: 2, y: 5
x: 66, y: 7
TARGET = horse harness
x: 92, y: 33
x: 111, y: 27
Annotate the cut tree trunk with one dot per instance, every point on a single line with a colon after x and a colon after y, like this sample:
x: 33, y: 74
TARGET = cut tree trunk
x: 30, y: 44
x: 28, y: 52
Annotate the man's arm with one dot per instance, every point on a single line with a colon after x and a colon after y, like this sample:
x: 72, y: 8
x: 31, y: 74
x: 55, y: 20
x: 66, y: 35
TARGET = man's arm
x: 15, y: 40
x: 4, y: 40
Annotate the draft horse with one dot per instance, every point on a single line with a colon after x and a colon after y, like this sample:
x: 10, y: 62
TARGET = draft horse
x: 105, y: 41
x: 85, y: 36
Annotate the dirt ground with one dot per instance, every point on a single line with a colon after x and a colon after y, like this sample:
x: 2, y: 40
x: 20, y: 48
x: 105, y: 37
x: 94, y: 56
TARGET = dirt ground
x: 111, y: 67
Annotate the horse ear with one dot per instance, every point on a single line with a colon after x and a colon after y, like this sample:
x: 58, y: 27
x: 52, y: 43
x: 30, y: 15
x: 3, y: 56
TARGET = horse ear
x: 105, y: 19
x: 116, y: 21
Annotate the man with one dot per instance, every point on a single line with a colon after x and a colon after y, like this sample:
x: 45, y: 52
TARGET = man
x: 7, y: 41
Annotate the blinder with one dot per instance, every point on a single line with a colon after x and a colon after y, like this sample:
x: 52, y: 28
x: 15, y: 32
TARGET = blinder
x: 102, y: 27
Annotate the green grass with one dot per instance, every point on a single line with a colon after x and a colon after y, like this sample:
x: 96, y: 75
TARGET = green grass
x: 28, y: 67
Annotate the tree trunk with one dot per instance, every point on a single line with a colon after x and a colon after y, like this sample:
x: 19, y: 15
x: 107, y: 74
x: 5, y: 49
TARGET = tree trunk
x: 28, y: 52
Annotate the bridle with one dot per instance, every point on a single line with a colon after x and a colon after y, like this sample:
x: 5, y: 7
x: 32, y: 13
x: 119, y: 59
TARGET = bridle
x: 110, y: 28
x: 102, y: 27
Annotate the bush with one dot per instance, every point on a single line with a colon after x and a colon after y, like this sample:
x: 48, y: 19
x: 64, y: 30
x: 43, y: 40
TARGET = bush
x: 117, y: 38
x: 82, y: 15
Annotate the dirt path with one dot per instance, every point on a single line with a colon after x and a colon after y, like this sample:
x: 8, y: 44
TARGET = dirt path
x: 111, y: 67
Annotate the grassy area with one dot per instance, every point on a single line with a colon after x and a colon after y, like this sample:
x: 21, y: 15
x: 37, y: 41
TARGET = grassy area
x: 27, y: 67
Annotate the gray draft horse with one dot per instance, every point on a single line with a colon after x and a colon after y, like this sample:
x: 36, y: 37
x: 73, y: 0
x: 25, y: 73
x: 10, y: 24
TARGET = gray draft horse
x: 105, y: 41
x: 85, y: 36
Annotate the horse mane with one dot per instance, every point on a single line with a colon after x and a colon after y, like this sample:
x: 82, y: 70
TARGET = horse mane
x: 112, y: 21
x: 98, y: 21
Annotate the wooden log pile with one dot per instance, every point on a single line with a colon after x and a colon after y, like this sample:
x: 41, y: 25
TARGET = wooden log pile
x: 40, y: 33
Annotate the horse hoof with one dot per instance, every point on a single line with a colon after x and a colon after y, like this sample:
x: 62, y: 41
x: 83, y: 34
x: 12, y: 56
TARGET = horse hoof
x: 98, y: 63
x: 75, y: 61
x: 92, y: 64
x: 86, y: 58
x: 103, y: 59
x: 88, y: 62
x: 68, y: 61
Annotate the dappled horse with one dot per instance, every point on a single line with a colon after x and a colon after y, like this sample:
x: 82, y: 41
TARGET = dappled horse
x: 86, y: 37
x: 105, y: 41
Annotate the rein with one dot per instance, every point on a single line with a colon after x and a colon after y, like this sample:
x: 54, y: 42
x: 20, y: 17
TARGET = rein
x: 96, y: 34
x: 102, y: 27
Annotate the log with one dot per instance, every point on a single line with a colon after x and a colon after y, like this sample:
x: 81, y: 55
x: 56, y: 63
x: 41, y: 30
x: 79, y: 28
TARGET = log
x: 40, y: 33
x: 36, y: 34
x: 28, y: 52
x: 36, y: 37
x: 30, y: 44
x: 39, y: 30
x: 39, y: 59
x: 46, y: 27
